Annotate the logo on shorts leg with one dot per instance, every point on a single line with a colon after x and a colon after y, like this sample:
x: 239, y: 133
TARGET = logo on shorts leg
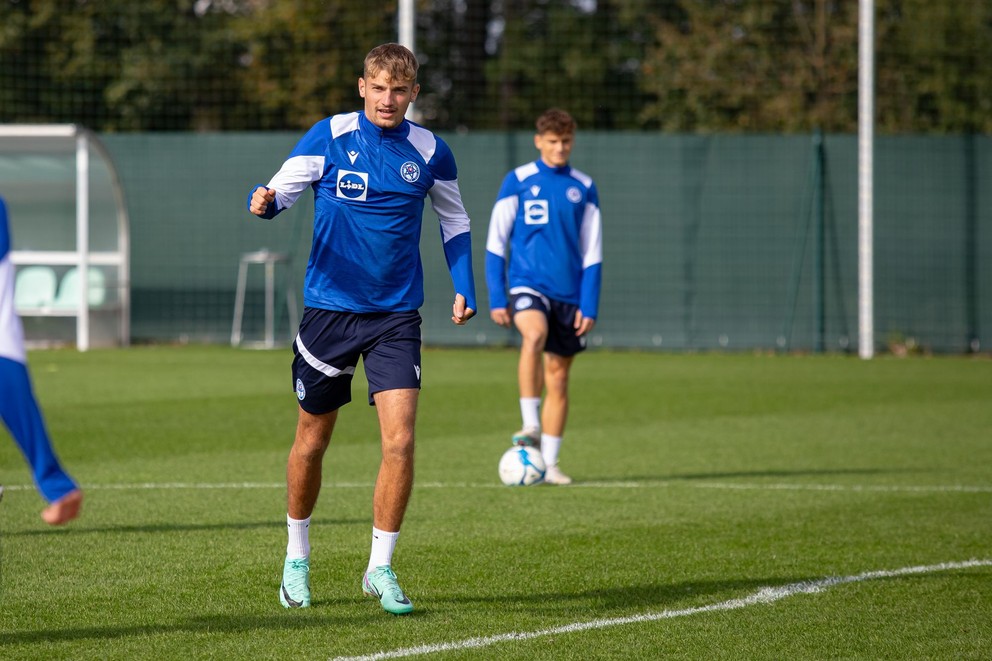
x: 416, y: 368
x: 301, y: 392
x: 523, y: 303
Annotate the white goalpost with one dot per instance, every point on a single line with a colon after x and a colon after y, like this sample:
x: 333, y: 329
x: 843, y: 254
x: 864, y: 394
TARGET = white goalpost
x: 866, y: 143
x: 406, y: 34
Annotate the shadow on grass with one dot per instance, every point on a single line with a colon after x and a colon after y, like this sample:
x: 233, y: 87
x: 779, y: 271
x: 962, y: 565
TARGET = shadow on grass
x: 618, y: 601
x: 212, y: 624
x: 583, y: 606
x: 78, y: 528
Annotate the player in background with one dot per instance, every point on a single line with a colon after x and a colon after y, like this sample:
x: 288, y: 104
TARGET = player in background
x: 370, y: 172
x: 545, y: 237
x: 18, y: 406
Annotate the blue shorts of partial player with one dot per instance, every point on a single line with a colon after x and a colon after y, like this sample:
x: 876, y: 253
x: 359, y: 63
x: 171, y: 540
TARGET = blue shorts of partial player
x: 329, y: 344
x: 562, y: 340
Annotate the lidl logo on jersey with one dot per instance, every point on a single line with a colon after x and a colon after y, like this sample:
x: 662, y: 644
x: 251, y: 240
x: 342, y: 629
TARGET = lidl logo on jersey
x: 536, y: 212
x: 353, y: 185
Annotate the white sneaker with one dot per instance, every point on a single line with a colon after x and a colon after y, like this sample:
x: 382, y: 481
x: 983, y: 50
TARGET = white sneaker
x: 553, y: 475
x: 529, y: 437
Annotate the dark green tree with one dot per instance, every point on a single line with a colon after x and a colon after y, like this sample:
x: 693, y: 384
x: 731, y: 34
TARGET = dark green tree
x: 753, y: 66
x: 116, y: 65
x: 934, y: 66
x: 301, y: 60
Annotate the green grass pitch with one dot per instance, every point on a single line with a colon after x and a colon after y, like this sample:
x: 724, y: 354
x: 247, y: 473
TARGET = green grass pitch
x: 726, y: 506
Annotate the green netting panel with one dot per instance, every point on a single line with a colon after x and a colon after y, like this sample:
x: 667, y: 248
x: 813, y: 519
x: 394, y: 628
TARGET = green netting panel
x: 734, y: 242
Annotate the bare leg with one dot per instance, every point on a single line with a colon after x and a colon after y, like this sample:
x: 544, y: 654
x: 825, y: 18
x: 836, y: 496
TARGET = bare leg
x: 397, y: 416
x: 533, y: 327
x: 304, y: 468
x: 555, y: 412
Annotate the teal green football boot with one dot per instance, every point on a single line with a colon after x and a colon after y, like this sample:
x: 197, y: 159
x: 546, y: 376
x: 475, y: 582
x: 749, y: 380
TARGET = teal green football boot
x: 295, y: 589
x: 381, y: 584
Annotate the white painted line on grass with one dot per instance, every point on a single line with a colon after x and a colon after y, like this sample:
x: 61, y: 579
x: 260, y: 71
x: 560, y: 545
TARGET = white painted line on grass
x: 951, y: 488
x: 764, y: 595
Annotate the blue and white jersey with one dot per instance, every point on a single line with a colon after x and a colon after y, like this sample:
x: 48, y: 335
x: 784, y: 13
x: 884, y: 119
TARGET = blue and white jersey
x: 11, y: 331
x: 369, y: 186
x: 549, y: 220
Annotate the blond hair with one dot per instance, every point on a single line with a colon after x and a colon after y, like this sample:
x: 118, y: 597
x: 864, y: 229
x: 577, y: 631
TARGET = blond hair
x: 394, y: 60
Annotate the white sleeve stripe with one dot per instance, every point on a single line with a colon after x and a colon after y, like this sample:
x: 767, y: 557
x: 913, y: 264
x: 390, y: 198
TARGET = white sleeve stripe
x: 341, y: 124
x: 500, y: 224
x: 526, y: 170
x: 294, y: 177
x: 583, y: 178
x: 591, y: 237
x: 318, y: 364
x: 423, y: 141
x: 447, y: 202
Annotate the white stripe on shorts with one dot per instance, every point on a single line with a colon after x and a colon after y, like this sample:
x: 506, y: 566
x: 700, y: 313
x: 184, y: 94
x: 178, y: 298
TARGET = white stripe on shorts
x: 318, y: 364
x: 533, y: 292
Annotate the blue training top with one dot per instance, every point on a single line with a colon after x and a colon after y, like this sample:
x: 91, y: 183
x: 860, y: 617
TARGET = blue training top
x: 369, y: 186
x: 549, y: 219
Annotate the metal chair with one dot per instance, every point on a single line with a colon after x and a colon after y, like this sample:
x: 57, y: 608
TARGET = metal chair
x: 269, y: 260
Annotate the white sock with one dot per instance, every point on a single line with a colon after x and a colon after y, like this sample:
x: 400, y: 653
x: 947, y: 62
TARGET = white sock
x: 383, y: 544
x: 299, y: 538
x: 530, y: 408
x: 549, y: 449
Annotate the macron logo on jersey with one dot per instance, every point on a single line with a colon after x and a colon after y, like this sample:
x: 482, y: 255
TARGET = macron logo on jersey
x: 536, y: 212
x: 353, y: 185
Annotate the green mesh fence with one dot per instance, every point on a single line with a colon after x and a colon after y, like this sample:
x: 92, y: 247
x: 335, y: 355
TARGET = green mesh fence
x: 729, y: 223
x: 736, y: 242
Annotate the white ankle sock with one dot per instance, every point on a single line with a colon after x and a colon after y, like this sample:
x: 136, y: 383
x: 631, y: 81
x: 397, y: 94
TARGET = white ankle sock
x: 299, y: 538
x: 530, y: 412
x: 383, y: 544
x: 549, y: 449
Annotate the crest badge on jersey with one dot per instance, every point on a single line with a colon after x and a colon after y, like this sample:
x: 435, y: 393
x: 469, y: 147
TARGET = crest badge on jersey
x: 536, y: 212
x: 573, y: 194
x: 353, y: 185
x: 410, y: 171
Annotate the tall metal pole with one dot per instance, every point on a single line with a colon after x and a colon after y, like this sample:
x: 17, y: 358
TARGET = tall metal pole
x: 407, y: 18
x: 83, y: 240
x: 866, y: 129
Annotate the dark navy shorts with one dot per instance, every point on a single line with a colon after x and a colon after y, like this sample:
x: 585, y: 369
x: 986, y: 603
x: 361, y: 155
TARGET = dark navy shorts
x: 562, y: 340
x: 329, y: 343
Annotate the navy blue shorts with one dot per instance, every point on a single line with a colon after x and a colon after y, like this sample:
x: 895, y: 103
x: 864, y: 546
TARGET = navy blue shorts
x: 562, y: 340
x: 329, y: 343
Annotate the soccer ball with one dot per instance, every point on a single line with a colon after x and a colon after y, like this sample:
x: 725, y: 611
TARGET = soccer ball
x: 521, y: 466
